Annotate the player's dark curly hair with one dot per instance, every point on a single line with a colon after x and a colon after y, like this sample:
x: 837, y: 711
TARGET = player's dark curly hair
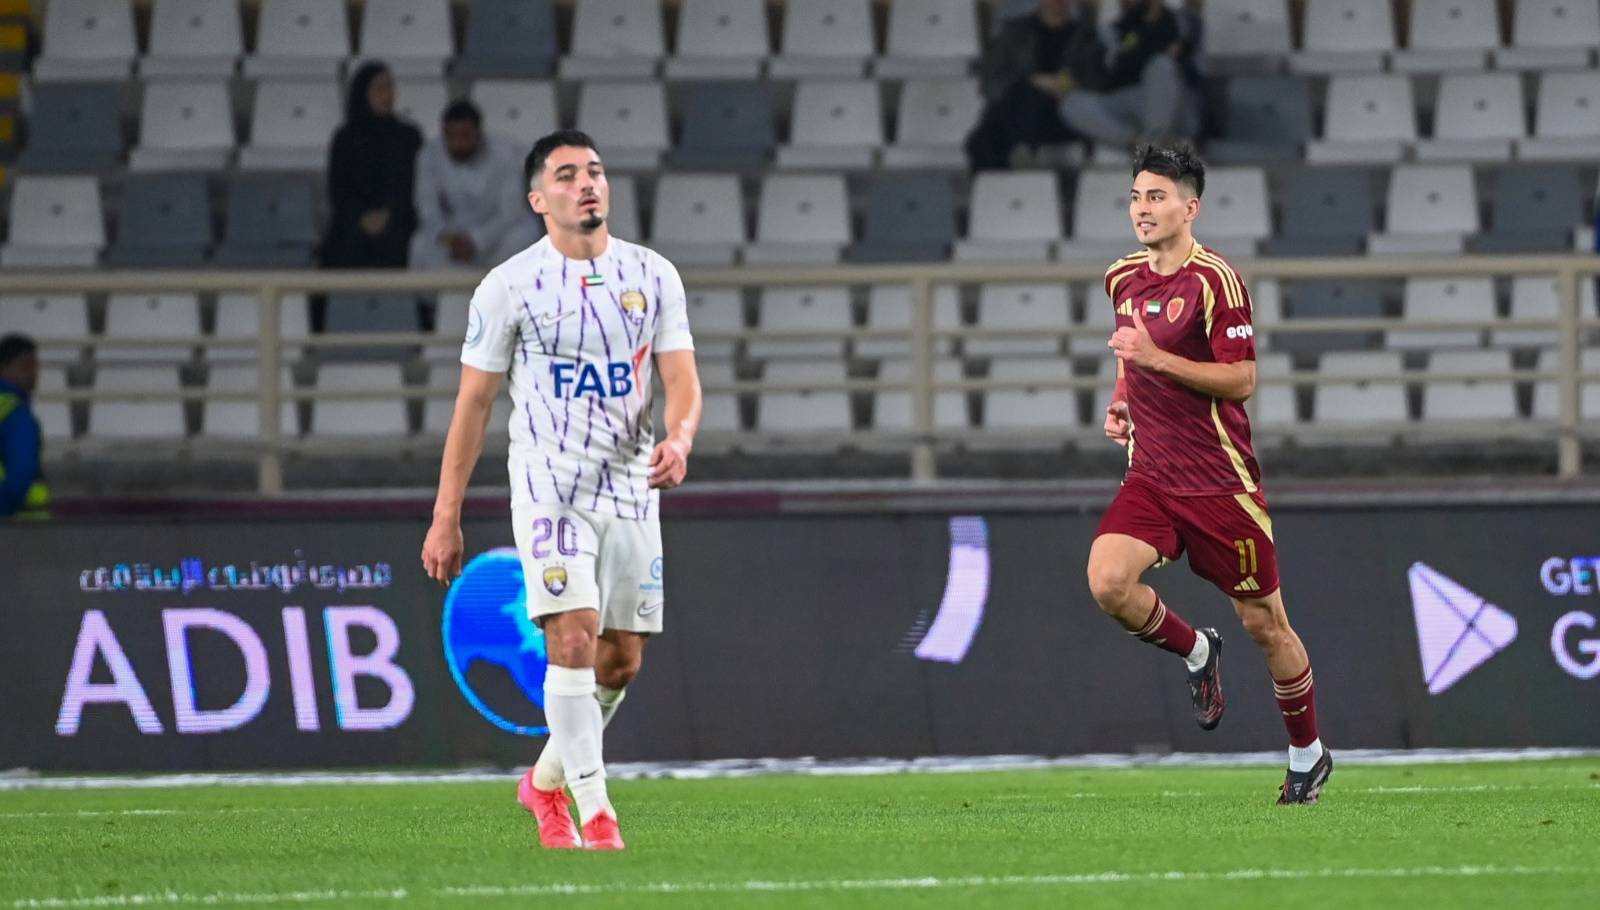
x: 534, y: 163
x: 13, y: 346
x: 1179, y: 163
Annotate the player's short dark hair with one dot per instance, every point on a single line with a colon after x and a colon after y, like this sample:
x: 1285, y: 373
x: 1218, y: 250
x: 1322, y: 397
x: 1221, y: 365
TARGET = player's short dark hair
x: 1178, y: 163
x: 534, y: 163
x: 462, y: 110
x: 14, y: 346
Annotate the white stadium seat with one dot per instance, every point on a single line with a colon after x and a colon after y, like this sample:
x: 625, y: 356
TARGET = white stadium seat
x: 137, y: 420
x: 801, y: 309
x: 331, y: 417
x: 720, y: 39
x: 519, y: 110
x: 1031, y: 408
x: 1547, y: 392
x: 291, y: 125
x: 624, y: 217
x: 1370, y: 120
x: 1450, y: 35
x: 1015, y: 216
x: 615, y: 39
x: 719, y: 311
x: 1367, y: 401
x: 1238, y: 214
x: 1346, y: 36
x: 55, y: 417
x: 933, y: 117
x: 411, y: 36
x: 1534, y: 299
x: 628, y: 120
x: 193, y: 38
x: 1101, y: 229
x: 1431, y: 209
x: 1547, y: 34
x: 891, y: 409
x: 1480, y: 400
x: 836, y: 125
x: 799, y: 414
x: 1445, y: 300
x: 1100, y: 315
x: 229, y: 419
x: 55, y: 221
x: 929, y: 37
x: 42, y: 316
x: 185, y: 125
x: 87, y: 41
x: 1477, y: 118
x: 825, y: 38
x: 422, y: 101
x: 1246, y: 28
x: 135, y: 316
x: 239, y: 317
x: 889, y: 307
x: 300, y: 38
x: 1567, y: 120
x: 436, y: 412
x: 803, y: 219
x: 698, y: 218
x: 1041, y: 308
x: 1274, y: 402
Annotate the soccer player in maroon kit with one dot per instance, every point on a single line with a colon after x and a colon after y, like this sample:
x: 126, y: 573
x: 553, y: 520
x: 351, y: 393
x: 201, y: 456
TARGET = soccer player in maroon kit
x: 1185, y: 353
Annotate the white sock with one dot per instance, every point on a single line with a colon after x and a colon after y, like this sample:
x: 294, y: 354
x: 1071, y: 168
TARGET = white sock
x: 1302, y: 758
x: 1196, y: 659
x: 547, y: 773
x: 574, y: 716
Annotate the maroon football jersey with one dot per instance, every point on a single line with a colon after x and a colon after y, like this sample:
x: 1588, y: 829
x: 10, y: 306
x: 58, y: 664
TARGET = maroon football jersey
x: 1185, y: 441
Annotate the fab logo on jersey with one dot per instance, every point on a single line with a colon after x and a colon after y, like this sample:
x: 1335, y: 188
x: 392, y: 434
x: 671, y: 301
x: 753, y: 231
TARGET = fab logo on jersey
x: 602, y: 380
x: 495, y: 652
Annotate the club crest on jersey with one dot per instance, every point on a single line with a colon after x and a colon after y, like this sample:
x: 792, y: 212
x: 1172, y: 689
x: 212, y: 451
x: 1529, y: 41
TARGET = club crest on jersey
x: 633, y: 303
x: 1174, y: 309
x: 555, y: 580
x: 1152, y: 308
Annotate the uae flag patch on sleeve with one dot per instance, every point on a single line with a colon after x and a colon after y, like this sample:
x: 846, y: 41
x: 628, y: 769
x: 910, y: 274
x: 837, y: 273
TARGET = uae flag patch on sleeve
x: 594, y: 281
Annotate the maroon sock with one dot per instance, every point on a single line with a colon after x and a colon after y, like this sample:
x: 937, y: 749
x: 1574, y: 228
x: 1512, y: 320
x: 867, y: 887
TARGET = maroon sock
x: 1166, y: 630
x: 1298, y: 702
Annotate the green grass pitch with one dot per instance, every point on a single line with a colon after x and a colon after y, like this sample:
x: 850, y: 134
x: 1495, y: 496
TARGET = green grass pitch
x: 1521, y: 834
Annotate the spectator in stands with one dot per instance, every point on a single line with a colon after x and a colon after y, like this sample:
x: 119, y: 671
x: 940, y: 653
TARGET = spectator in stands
x: 22, y: 490
x: 1028, y: 68
x: 471, y: 206
x: 371, y: 178
x: 1151, y: 91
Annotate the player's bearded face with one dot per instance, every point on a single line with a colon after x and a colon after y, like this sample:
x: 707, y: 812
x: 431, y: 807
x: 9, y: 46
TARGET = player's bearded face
x: 573, y: 190
x: 1159, y: 208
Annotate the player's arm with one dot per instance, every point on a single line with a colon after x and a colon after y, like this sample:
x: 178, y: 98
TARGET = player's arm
x: 442, y: 550
x: 1119, y: 425
x: 669, y: 463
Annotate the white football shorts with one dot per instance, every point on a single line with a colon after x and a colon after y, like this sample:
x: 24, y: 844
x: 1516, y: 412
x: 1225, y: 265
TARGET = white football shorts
x: 573, y: 559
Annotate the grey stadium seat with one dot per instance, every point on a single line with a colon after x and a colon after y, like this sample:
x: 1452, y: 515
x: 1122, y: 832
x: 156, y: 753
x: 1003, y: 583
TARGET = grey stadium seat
x: 1326, y: 212
x: 164, y: 222
x: 910, y: 217
x: 509, y: 39
x: 1535, y: 207
x: 370, y: 312
x: 74, y: 127
x: 726, y: 126
x: 1355, y: 299
x: 271, y: 222
x: 1268, y: 119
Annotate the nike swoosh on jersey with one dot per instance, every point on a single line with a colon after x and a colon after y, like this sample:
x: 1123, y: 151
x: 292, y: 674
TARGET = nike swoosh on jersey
x: 546, y: 320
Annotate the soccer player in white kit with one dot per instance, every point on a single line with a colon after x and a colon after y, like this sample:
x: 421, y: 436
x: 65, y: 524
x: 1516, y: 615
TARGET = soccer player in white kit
x: 579, y: 320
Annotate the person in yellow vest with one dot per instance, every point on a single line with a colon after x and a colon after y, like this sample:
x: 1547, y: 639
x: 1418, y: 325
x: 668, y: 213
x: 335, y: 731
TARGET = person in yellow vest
x: 23, y: 493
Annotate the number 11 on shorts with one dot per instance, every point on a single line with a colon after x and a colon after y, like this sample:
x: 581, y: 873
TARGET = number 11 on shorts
x: 1247, y: 555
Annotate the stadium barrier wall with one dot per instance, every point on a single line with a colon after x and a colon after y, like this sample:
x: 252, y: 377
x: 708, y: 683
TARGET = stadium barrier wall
x: 314, y: 640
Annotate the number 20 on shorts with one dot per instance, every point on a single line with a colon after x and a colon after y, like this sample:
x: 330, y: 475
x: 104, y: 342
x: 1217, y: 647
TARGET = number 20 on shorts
x: 565, y: 532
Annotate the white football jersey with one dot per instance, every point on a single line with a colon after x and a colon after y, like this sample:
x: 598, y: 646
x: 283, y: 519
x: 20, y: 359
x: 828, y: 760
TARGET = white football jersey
x: 577, y: 337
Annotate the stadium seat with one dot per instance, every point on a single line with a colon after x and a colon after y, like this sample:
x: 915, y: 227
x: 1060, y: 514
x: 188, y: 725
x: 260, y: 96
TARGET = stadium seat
x: 713, y: 312
x: 836, y: 125
x: 1098, y: 315
x: 87, y: 41
x: 135, y: 316
x: 1350, y: 404
x: 509, y: 39
x: 628, y: 120
x: 1477, y: 118
x: 1053, y: 410
x: 412, y: 37
x: 720, y: 39
x: 450, y: 313
x: 929, y: 38
x: 727, y: 125
x: 615, y: 39
x: 164, y: 222
x: 1445, y: 300
x: 1273, y: 404
x: 698, y: 218
x: 1101, y: 230
x: 624, y: 217
x: 73, y: 127
x: 1246, y: 28
x: 291, y: 125
x: 184, y: 125
x: 720, y: 410
x: 239, y: 318
x: 1370, y: 119
x: 799, y: 415
x: 308, y: 38
x: 231, y: 419
x: 1039, y: 308
x: 1431, y: 208
x: 932, y: 119
x: 371, y: 312
x: 1449, y: 35
x: 422, y: 101
x: 1353, y: 299
x: 271, y: 222
x: 891, y: 409
x: 55, y: 417
x: 1105, y: 374
x: 436, y: 412
x: 1346, y: 36
x: 823, y: 38
x: 1238, y: 215
x: 1567, y: 119
x: 1268, y: 119
x: 137, y: 420
x: 802, y: 309
x: 1547, y: 392
x: 803, y: 219
x: 55, y: 221
x: 521, y: 111
x: 889, y: 307
x: 1534, y: 299
x: 1266, y: 310
x: 46, y: 316
x: 910, y: 217
x: 336, y: 417
x: 1550, y: 34
x: 193, y: 39
x: 1478, y: 399
x: 1014, y: 217
x: 1326, y: 211
x: 1535, y: 207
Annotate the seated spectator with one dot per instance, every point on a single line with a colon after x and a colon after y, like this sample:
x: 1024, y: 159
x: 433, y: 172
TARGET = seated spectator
x: 1151, y: 91
x: 1028, y: 68
x: 22, y: 490
x: 472, y: 209
x: 371, y: 178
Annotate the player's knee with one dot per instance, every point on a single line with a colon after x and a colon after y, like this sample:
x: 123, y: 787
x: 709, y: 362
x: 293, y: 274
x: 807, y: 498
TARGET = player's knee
x: 1112, y: 585
x: 570, y: 647
x: 1264, y: 627
x: 618, y: 673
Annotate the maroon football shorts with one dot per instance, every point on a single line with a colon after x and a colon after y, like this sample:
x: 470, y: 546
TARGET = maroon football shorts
x: 1228, y: 538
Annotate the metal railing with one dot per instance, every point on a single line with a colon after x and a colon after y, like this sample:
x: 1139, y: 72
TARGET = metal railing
x: 924, y: 435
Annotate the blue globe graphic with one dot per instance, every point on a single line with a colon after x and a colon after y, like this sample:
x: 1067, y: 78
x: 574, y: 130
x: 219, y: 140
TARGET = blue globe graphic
x: 486, y: 619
